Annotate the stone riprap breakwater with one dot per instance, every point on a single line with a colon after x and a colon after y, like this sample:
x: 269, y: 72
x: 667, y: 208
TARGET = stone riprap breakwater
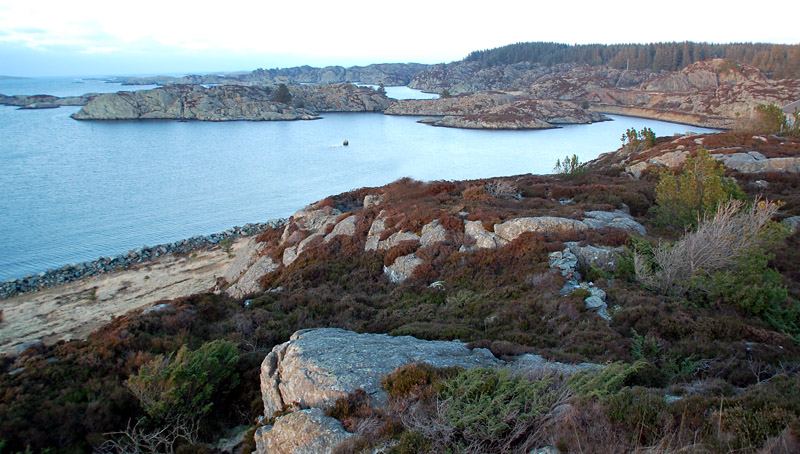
x: 75, y: 271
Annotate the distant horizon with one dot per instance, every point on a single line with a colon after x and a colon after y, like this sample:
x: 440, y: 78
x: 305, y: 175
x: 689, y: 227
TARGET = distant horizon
x: 297, y: 61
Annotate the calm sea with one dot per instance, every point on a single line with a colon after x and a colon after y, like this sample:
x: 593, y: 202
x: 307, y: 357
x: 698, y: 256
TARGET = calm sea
x: 72, y: 191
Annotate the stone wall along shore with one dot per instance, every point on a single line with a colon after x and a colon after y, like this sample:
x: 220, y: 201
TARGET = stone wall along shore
x: 75, y: 271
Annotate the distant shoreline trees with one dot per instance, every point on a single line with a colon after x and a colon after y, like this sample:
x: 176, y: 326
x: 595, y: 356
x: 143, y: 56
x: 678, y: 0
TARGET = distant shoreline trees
x: 778, y: 61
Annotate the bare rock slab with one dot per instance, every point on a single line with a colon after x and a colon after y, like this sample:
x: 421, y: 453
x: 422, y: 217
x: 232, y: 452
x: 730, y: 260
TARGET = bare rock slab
x: 302, y: 432
x: 249, y: 282
x: 316, y: 367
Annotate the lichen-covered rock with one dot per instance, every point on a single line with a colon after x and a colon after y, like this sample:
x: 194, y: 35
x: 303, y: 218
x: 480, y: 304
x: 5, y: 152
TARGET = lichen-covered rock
x: 432, y: 233
x: 249, y: 283
x: 301, y: 432
x: 494, y: 110
x: 314, y: 219
x: 616, y: 219
x: 402, y: 268
x: 192, y: 102
x: 346, y: 226
x: 245, y: 257
x: 535, y: 365
x: 603, y: 257
x: 316, y: 367
x: 374, y: 234
x: 371, y: 200
x: 483, y: 239
x: 513, y: 228
x: 290, y: 254
x: 792, y: 222
x: 397, y: 238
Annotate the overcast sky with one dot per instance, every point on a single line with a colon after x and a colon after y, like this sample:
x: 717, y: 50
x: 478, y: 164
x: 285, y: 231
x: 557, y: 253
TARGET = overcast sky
x: 93, y: 37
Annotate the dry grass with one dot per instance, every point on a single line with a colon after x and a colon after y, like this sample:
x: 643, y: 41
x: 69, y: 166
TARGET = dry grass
x: 716, y: 244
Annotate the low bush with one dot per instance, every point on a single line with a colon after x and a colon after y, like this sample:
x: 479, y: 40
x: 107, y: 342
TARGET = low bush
x: 683, y: 199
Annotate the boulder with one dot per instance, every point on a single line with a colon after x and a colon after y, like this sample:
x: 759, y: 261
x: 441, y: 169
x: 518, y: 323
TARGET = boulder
x: 616, y: 219
x: 315, y: 219
x: 290, y: 254
x: 533, y: 365
x: 483, y: 239
x: 513, y: 228
x: 432, y: 233
x: 249, y: 282
x: 318, y: 366
x: 402, y: 268
x: 397, y: 238
x: 302, y: 432
x: 792, y: 222
x: 371, y: 200
x: 755, y: 162
x: 603, y: 257
x: 374, y: 234
x: 245, y: 257
x: 346, y: 227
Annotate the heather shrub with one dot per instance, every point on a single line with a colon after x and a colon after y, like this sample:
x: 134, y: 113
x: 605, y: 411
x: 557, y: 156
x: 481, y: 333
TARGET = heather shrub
x: 418, y: 380
x: 502, y: 189
x: 186, y: 384
x: 699, y: 189
x: 640, y: 412
x: 492, y: 410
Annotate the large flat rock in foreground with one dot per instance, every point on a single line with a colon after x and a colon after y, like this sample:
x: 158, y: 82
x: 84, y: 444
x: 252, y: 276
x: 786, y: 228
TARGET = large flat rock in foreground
x: 316, y: 367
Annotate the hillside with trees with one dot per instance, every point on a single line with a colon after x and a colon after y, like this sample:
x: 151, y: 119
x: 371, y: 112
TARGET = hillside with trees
x: 777, y: 61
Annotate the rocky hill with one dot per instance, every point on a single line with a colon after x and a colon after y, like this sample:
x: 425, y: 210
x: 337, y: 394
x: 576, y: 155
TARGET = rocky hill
x: 230, y: 102
x: 564, y: 81
x: 715, y: 93
x: 389, y: 74
x: 496, y: 110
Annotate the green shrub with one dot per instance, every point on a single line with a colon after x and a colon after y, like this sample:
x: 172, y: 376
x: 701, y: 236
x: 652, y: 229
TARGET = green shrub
x: 570, y: 167
x: 770, y: 119
x: 486, y: 406
x: 638, y: 140
x: 282, y: 94
x: 640, y: 412
x: 186, y: 384
x: 593, y: 383
x: 411, y: 442
x: 685, y: 198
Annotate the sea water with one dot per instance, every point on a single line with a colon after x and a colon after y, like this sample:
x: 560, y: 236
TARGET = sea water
x: 73, y: 191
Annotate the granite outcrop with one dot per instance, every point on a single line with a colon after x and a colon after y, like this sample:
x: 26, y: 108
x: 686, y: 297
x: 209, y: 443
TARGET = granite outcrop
x: 45, y: 101
x: 230, y: 103
x: 389, y: 74
x: 303, y: 377
x: 496, y: 110
x: 75, y: 271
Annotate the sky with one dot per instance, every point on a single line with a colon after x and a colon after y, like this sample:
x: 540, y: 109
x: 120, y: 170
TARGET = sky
x: 93, y: 37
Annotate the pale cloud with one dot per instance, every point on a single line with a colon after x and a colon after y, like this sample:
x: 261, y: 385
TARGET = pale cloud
x: 324, y: 32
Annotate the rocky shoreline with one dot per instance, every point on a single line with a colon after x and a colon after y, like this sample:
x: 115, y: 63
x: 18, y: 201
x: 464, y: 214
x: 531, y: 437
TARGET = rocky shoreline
x: 76, y: 271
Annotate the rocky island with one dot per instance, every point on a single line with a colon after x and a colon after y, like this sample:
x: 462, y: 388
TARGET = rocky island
x: 231, y: 103
x: 496, y: 110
